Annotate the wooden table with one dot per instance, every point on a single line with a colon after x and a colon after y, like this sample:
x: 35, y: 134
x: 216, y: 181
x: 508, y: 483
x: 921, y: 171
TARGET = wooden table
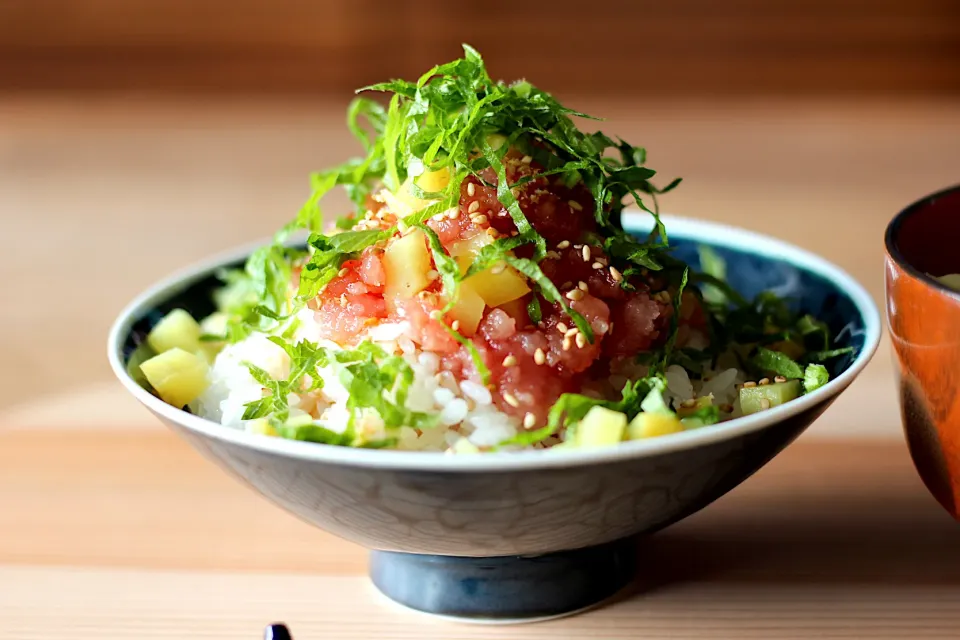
x: 109, y: 534
x: 111, y: 528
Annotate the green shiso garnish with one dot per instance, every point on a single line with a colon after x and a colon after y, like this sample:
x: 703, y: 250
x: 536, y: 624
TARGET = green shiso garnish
x: 455, y: 117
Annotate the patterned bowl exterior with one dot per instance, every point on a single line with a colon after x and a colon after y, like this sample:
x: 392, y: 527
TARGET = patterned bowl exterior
x: 527, y: 503
x: 924, y: 321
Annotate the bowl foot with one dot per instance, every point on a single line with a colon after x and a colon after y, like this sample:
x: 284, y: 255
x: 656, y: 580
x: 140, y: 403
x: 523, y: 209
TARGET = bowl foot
x: 506, y: 589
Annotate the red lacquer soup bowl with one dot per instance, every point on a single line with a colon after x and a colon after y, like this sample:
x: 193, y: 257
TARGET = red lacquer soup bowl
x: 923, y: 314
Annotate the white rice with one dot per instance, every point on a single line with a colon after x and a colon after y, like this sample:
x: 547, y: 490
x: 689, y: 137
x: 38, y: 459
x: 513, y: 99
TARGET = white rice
x: 465, y: 409
x: 468, y: 418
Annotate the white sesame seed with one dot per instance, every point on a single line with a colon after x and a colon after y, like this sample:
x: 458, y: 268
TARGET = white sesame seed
x: 597, y: 265
x: 343, y: 300
x: 433, y: 274
x: 438, y: 217
x: 471, y: 189
x: 581, y: 340
x: 563, y: 245
x: 561, y: 327
x: 498, y: 268
x: 453, y: 214
x: 526, y: 159
x: 539, y: 356
x: 511, y: 400
x: 616, y: 275
x: 529, y: 420
x: 566, y: 344
x: 553, y: 255
x: 749, y: 384
x: 583, y: 286
x: 492, y: 233
x: 455, y: 325
x: 779, y: 379
x: 764, y: 381
x: 574, y: 294
x: 510, y: 361
x: 586, y: 253
x: 343, y: 272
x: 571, y: 332
x: 575, y: 205
x: 764, y: 403
x: 480, y: 219
x: 435, y: 314
x: 474, y: 207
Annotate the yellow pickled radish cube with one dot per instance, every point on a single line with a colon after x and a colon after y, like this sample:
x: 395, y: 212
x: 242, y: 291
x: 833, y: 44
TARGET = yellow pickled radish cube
x: 408, y: 202
x: 601, y: 427
x: 213, y: 325
x: 465, y: 251
x: 262, y: 427
x: 499, y: 285
x: 464, y: 447
x: 404, y: 202
x: 651, y: 425
x: 434, y: 181
x: 468, y: 309
x: 407, y: 262
x: 401, y: 204
x: 177, y: 330
x: 178, y: 376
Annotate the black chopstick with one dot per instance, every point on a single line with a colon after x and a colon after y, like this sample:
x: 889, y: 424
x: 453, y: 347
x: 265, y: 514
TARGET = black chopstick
x: 277, y: 631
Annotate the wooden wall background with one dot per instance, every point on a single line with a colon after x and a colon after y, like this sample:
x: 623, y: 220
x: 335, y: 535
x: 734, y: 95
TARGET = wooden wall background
x: 614, y: 47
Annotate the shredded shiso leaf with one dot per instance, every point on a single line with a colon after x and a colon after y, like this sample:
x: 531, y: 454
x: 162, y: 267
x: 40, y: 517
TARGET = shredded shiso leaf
x: 442, y: 121
x: 457, y: 119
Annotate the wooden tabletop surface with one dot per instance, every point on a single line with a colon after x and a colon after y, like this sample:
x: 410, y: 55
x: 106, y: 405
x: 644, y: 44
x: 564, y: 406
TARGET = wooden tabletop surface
x: 112, y: 528
x: 133, y: 535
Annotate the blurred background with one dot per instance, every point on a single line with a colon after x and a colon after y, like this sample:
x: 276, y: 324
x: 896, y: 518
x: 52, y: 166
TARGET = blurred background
x: 610, y: 49
x: 137, y: 136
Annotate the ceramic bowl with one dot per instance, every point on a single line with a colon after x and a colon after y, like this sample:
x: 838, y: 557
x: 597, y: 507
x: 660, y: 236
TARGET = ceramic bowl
x: 530, y: 534
x: 923, y: 316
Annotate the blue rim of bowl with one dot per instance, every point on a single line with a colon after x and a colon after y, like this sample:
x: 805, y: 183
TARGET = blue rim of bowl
x: 689, y: 228
x: 893, y: 231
